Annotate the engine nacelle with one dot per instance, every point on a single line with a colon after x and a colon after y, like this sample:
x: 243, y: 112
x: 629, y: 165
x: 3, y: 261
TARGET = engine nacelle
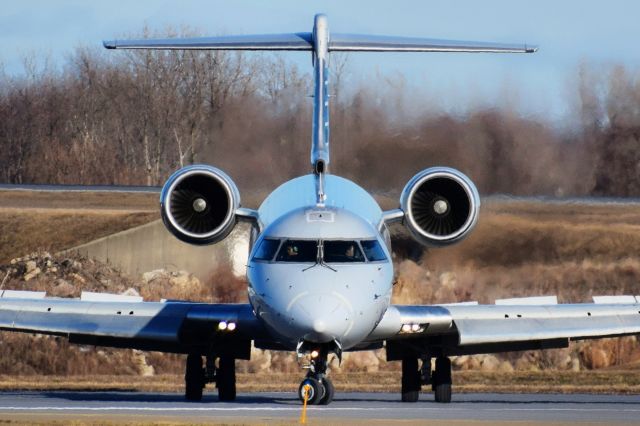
x: 198, y: 204
x: 440, y: 206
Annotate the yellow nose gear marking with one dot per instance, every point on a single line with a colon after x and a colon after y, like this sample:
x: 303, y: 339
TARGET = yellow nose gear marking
x: 303, y: 416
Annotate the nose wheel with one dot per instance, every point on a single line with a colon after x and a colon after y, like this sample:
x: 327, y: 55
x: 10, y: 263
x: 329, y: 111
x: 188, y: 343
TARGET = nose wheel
x: 319, y: 391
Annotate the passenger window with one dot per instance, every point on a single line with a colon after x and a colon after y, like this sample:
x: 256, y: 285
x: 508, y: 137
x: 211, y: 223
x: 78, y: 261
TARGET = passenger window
x: 267, y: 249
x: 300, y: 251
x: 342, y: 251
x: 373, y: 251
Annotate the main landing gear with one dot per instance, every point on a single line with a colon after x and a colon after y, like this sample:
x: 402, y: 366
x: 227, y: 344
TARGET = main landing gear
x: 318, y: 387
x: 413, y: 378
x: 197, y: 376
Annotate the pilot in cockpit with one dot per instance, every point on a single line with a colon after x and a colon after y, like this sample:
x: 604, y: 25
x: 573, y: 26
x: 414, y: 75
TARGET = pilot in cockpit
x: 292, y: 251
x: 350, y: 252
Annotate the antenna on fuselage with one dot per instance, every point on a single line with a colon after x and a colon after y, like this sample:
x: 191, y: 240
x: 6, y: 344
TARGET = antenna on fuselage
x: 320, y: 43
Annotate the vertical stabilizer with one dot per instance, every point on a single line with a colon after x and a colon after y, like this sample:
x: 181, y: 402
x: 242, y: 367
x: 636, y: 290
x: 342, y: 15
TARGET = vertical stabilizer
x: 320, y: 137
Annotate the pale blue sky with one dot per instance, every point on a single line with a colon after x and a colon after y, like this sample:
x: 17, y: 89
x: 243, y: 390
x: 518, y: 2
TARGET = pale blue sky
x: 568, y: 32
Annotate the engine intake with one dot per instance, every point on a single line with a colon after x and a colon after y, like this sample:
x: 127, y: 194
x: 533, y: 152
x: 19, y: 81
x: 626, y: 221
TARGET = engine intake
x: 198, y: 204
x: 440, y: 206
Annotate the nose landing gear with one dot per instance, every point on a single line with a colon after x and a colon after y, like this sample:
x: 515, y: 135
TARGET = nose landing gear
x: 318, y: 386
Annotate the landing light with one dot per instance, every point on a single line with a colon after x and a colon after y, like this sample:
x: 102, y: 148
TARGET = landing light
x: 314, y: 354
x: 412, y: 328
x: 222, y: 325
x: 231, y: 326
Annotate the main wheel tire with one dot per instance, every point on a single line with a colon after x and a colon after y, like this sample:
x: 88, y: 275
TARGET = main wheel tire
x: 226, y: 379
x: 442, y: 380
x: 316, y: 391
x: 443, y: 392
x: 194, y: 378
x: 329, y: 391
x: 442, y: 374
x: 410, y: 380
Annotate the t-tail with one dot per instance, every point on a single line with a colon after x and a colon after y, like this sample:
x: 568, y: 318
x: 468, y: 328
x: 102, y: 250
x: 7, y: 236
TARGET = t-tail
x: 320, y: 42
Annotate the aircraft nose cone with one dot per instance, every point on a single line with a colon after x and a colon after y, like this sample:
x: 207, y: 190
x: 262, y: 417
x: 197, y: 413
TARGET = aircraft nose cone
x: 321, y: 318
x: 319, y: 326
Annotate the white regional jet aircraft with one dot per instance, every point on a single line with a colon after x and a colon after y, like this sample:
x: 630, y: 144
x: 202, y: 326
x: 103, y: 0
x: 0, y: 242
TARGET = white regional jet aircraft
x: 320, y: 272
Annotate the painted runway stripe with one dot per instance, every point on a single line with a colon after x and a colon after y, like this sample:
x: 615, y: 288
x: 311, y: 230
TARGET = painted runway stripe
x: 297, y: 409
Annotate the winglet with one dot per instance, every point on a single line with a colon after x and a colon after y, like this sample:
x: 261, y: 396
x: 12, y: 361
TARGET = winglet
x: 109, y: 44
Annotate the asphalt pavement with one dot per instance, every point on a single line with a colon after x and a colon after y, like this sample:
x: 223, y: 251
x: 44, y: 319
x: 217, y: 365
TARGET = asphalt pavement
x: 347, y: 407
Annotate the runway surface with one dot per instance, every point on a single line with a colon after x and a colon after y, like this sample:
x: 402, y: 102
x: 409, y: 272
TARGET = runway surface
x: 350, y: 407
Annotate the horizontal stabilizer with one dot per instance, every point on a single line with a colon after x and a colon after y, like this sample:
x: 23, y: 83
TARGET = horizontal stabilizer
x: 305, y: 42
x: 297, y: 41
x: 373, y: 43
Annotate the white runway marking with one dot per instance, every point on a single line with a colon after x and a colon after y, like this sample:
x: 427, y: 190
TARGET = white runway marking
x: 78, y: 408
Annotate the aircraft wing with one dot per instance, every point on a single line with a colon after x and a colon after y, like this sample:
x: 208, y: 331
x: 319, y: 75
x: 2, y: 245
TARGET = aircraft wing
x: 179, y: 327
x: 468, y: 329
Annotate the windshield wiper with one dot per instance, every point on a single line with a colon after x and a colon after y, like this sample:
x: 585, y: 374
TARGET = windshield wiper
x: 320, y: 258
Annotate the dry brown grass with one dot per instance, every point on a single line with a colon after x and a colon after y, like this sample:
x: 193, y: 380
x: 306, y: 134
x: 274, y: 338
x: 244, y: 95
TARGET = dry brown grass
x: 136, y: 201
x: 516, y: 233
x: 53, y: 221
x: 600, y: 382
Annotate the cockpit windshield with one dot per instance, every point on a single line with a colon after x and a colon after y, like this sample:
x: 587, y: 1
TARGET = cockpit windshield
x: 267, y: 249
x: 342, y: 251
x: 300, y: 251
x: 373, y: 250
x: 331, y: 251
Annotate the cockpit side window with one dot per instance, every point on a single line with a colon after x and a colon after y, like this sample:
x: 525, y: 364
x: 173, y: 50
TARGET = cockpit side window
x: 299, y: 251
x: 373, y: 251
x: 267, y: 249
x: 342, y: 251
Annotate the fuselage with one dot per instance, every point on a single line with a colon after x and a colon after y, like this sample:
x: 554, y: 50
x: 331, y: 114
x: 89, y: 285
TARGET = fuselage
x: 320, y: 273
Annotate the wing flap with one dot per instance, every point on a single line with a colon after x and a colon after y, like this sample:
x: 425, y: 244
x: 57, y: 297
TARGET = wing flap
x: 516, y: 323
x: 473, y: 332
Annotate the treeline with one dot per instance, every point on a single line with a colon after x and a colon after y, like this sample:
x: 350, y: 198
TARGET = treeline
x: 134, y: 117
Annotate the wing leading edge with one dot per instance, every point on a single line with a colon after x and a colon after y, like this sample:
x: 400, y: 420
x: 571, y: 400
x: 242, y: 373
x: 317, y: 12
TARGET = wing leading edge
x: 491, y: 328
x: 165, y: 326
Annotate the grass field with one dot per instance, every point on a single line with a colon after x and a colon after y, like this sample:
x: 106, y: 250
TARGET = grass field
x: 601, y: 382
